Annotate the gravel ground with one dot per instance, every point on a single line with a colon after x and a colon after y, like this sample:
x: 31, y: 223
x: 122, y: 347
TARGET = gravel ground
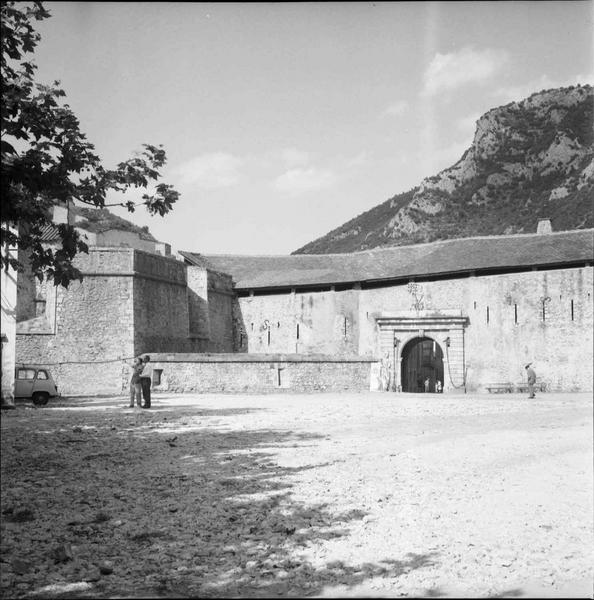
x: 328, y: 495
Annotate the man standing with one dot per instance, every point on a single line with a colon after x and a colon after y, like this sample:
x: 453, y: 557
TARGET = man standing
x: 135, y: 386
x: 146, y: 378
x: 531, y: 379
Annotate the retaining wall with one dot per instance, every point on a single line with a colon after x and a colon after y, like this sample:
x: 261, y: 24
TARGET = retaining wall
x: 262, y: 373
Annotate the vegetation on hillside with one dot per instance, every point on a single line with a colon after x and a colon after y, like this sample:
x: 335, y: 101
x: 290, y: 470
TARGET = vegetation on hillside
x: 100, y: 220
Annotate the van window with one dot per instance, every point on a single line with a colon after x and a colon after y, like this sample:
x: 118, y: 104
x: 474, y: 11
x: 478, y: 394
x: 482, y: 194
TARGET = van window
x: 41, y: 375
x: 26, y: 374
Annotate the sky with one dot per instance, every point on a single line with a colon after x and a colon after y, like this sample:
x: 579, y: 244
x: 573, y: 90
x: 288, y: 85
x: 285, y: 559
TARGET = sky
x: 282, y: 121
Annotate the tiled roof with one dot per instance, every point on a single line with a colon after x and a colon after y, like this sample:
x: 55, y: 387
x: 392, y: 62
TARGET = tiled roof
x: 421, y: 260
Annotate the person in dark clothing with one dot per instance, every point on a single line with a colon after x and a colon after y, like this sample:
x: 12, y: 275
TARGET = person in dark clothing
x: 146, y: 378
x: 531, y: 379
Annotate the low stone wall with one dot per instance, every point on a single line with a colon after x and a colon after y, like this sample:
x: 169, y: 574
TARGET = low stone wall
x: 261, y: 373
x: 201, y: 373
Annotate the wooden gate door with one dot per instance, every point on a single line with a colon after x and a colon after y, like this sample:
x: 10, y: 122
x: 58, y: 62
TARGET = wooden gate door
x: 422, y: 359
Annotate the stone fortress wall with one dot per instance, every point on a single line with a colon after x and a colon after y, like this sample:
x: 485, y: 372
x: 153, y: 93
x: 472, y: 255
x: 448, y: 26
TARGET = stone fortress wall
x: 261, y: 373
x: 133, y: 302
x: 130, y: 302
x: 91, y: 328
x: 505, y: 329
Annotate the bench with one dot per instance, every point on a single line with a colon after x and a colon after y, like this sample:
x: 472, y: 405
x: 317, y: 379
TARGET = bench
x: 498, y: 388
x: 523, y: 387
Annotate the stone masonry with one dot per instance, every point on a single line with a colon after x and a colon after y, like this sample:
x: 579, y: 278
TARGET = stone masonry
x: 544, y: 317
x: 129, y: 303
x: 262, y: 373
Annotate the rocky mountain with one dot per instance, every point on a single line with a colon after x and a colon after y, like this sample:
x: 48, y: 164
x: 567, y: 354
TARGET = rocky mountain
x: 528, y: 160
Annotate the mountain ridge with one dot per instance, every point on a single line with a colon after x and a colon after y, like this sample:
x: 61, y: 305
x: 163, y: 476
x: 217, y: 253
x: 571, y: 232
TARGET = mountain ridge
x: 529, y: 160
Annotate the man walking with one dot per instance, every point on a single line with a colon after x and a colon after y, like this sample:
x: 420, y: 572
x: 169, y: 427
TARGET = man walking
x: 146, y: 378
x: 531, y: 379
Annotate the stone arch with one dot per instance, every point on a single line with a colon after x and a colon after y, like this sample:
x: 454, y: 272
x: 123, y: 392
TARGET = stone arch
x: 446, y: 327
x: 422, y: 360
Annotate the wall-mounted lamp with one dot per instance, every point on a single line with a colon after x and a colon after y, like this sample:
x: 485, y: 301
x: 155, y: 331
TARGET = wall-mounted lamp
x: 396, y: 341
x: 447, y: 342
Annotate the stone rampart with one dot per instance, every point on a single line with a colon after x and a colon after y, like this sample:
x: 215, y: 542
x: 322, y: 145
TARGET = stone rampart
x: 261, y: 373
x: 93, y: 331
x: 129, y: 302
x: 543, y: 316
x: 220, y: 312
x: 301, y: 322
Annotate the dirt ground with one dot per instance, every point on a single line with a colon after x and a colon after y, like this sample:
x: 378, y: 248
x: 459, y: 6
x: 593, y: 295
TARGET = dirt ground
x: 328, y: 495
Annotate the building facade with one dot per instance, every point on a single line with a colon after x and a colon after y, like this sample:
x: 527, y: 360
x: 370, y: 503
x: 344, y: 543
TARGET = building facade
x: 456, y: 316
x: 467, y: 313
x: 130, y: 302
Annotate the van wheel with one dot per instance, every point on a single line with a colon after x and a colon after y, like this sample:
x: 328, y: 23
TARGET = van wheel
x: 40, y: 398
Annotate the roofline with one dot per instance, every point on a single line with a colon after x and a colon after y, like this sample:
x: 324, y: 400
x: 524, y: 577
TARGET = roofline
x: 211, y: 269
x: 392, y: 248
x: 575, y: 264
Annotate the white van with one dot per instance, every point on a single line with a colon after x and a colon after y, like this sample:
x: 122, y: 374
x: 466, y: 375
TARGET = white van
x: 35, y: 382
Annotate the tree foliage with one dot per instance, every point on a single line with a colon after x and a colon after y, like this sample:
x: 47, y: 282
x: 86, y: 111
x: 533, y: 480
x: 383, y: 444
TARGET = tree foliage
x: 46, y: 158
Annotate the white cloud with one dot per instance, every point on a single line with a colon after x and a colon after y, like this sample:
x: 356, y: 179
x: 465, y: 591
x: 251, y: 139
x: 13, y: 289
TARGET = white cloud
x: 302, y: 180
x: 396, y: 110
x: 450, y: 71
x: 210, y: 171
x: 294, y: 158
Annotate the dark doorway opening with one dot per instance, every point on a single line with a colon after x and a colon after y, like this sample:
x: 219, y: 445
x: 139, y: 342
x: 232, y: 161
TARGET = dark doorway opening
x: 422, y: 360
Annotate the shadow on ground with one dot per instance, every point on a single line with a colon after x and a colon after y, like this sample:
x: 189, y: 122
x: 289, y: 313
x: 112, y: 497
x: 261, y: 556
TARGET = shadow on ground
x: 161, y: 504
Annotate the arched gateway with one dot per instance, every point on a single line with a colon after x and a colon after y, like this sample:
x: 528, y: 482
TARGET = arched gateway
x: 422, y: 359
x: 414, y: 342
